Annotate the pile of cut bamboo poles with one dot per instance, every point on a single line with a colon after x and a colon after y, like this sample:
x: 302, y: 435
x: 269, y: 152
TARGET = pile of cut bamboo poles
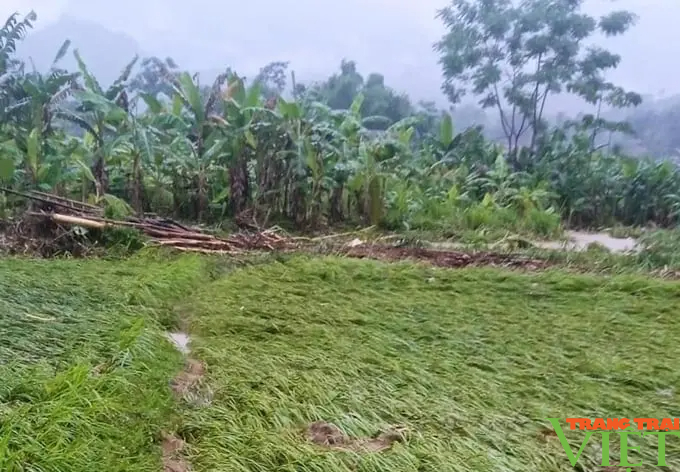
x: 160, y: 231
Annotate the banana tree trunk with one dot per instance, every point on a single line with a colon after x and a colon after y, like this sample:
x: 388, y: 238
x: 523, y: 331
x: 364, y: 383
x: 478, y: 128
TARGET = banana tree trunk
x: 202, y: 194
x: 177, y: 195
x: 99, y: 166
x: 336, y: 212
x: 374, y: 201
x: 238, y: 184
x: 137, y: 185
x: 298, y: 207
x: 100, y: 175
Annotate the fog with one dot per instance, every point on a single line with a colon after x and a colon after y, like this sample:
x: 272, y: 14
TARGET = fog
x: 393, y: 37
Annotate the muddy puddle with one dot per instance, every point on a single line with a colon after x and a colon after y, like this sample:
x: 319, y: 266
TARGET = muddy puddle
x: 579, y: 241
x: 180, y: 341
x: 574, y: 241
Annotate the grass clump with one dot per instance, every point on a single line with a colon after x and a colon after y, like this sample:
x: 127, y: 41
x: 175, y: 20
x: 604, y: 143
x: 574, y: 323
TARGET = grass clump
x: 470, y: 361
x: 660, y: 249
x: 84, y: 362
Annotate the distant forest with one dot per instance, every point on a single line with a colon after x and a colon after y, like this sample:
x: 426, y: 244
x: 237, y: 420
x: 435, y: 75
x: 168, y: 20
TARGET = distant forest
x: 349, y: 148
x: 651, y: 131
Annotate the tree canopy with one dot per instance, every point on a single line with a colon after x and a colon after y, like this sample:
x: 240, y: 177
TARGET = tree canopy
x: 515, y: 56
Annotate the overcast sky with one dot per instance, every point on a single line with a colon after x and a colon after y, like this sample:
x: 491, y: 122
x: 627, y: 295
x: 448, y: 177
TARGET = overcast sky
x: 390, y: 36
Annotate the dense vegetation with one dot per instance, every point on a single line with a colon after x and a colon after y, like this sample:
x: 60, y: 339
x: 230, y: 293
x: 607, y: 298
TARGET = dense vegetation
x: 346, y: 150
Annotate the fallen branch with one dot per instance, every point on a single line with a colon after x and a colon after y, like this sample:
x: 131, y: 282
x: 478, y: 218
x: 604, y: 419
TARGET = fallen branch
x: 206, y: 251
x: 52, y: 200
x: 163, y: 222
x: 158, y: 233
x: 78, y: 221
x: 335, y: 235
x: 101, y: 223
x: 191, y: 242
x: 66, y: 200
x: 168, y: 234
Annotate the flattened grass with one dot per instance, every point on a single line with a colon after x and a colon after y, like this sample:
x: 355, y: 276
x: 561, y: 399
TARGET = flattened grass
x: 471, y: 361
x: 84, y: 367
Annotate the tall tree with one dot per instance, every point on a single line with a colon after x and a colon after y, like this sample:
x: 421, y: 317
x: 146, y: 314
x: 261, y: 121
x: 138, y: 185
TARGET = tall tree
x: 513, y: 56
x: 340, y: 90
x: 272, y: 79
x: 382, y: 101
x: 381, y: 105
x: 156, y: 76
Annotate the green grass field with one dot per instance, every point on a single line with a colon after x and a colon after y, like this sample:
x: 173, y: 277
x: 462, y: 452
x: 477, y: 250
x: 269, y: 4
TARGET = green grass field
x: 84, y: 364
x: 469, y: 361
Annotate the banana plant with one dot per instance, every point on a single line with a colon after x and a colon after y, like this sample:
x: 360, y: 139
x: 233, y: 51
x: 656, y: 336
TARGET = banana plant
x: 299, y: 156
x: 318, y: 168
x: 367, y: 182
x: 11, y: 33
x: 242, y: 105
x: 99, y: 112
x: 40, y: 100
x: 202, y: 125
x: 377, y: 160
x: 10, y: 158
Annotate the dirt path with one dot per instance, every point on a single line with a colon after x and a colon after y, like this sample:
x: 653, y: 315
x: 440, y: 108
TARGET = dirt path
x: 188, y: 387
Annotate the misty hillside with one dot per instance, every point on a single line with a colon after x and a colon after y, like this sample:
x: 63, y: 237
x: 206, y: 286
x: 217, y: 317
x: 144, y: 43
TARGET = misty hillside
x: 108, y: 51
x: 105, y: 52
x: 314, y: 36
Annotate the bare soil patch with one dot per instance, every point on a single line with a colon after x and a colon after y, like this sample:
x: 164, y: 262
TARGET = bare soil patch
x: 330, y: 436
x: 189, y: 379
x: 445, y: 258
x: 173, y: 461
x: 187, y: 386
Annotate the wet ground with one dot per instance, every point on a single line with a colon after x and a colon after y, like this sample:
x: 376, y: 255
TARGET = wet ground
x: 579, y: 241
x: 180, y: 341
